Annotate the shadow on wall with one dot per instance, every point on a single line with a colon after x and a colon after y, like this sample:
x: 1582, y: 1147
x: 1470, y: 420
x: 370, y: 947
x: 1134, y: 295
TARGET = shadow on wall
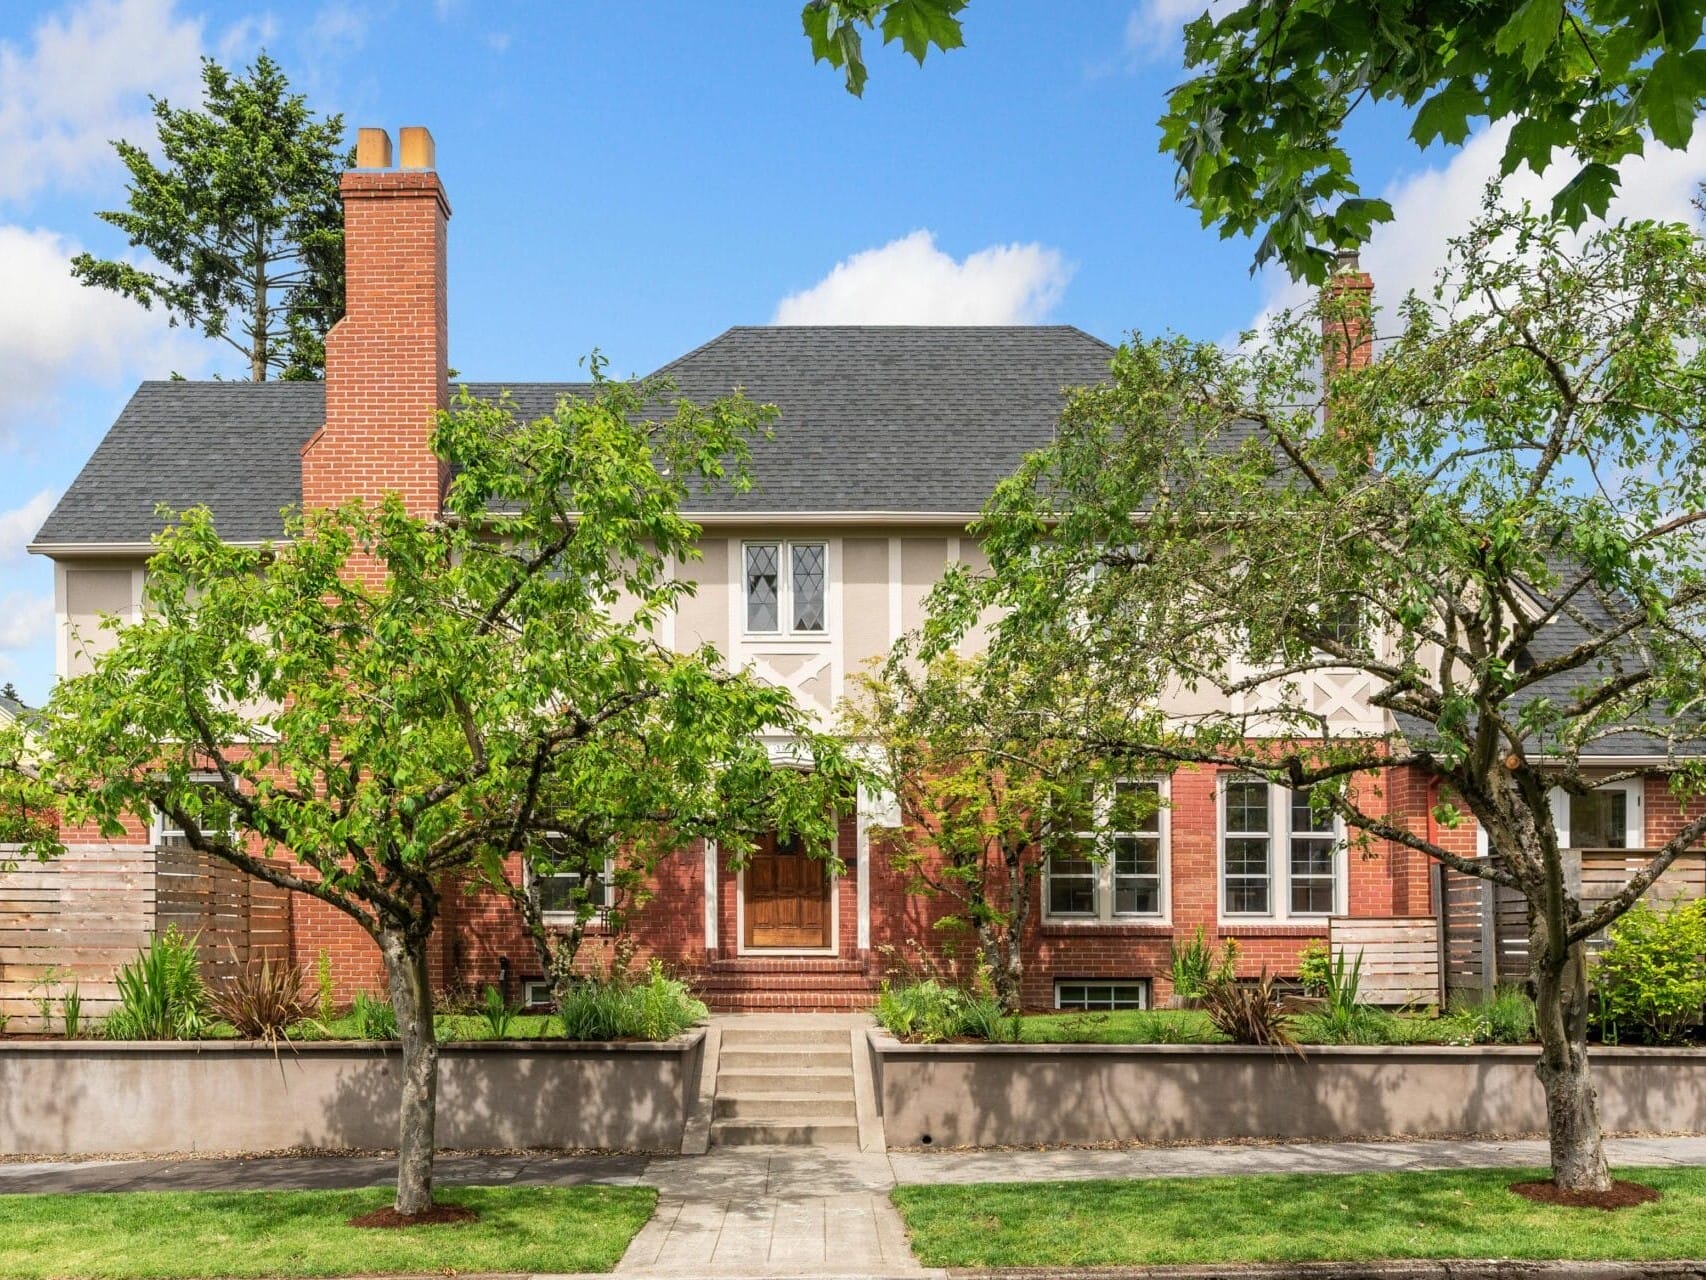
x: 58, y: 1098
x: 949, y: 1096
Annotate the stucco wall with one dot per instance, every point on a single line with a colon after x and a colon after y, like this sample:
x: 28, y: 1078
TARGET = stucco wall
x: 76, y: 1098
x: 986, y: 1095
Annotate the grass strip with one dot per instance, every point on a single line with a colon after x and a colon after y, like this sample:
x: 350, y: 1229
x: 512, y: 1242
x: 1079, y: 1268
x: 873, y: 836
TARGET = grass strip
x: 305, y: 1233
x: 1361, y: 1217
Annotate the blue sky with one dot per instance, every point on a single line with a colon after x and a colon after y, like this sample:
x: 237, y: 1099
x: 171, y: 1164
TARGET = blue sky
x: 637, y: 177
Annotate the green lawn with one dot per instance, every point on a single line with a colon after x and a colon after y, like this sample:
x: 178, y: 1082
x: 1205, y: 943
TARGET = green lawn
x: 1189, y: 1026
x: 1292, y: 1218
x: 304, y: 1233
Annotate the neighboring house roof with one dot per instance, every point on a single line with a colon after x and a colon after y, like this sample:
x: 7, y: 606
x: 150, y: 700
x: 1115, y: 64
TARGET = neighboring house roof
x: 919, y: 420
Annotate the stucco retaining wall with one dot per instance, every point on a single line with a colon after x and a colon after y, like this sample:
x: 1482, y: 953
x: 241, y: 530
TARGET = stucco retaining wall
x: 987, y: 1095
x: 60, y: 1097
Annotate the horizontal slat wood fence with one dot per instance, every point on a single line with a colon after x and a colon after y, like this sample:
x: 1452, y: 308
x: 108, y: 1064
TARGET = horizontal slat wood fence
x: 1479, y: 919
x: 1400, y: 956
x: 73, y: 922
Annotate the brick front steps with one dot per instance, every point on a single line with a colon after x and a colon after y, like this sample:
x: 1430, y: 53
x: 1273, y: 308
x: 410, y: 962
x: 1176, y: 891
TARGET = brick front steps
x: 797, y: 984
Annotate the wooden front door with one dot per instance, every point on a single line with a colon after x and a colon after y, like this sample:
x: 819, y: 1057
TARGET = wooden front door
x: 787, y: 898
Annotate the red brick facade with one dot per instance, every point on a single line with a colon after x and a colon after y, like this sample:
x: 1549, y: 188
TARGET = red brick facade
x: 387, y: 375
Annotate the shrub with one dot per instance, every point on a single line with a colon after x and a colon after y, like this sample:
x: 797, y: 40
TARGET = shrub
x: 1651, y: 976
x: 374, y: 1017
x: 929, y: 1012
x: 1313, y: 966
x: 497, y: 1013
x: 1196, y: 966
x: 619, y: 1007
x: 160, y: 993
x: 1344, y: 1018
x: 1248, y: 1012
x: 262, y: 1002
x: 1505, y: 1017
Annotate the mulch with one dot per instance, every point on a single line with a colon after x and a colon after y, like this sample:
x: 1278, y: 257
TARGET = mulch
x: 1622, y: 1195
x: 438, y: 1215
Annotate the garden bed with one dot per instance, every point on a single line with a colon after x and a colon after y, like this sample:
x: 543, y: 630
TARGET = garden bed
x: 954, y: 1095
x: 75, y: 1097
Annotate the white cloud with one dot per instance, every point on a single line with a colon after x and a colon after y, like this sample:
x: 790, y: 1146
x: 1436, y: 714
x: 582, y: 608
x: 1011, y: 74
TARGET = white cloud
x: 82, y: 81
x: 19, y: 525
x: 911, y: 281
x: 340, y: 25
x: 1433, y: 205
x: 55, y: 332
x: 26, y: 619
x: 1154, y: 30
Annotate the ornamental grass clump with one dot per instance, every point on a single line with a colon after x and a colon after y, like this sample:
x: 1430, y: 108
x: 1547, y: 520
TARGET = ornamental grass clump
x: 1249, y: 1012
x: 1504, y: 1017
x: 1344, y: 1018
x: 929, y: 1012
x: 262, y: 1002
x: 618, y: 1007
x: 160, y: 993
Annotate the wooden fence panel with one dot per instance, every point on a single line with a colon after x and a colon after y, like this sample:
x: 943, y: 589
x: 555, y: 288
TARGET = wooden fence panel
x: 1471, y: 921
x: 1400, y: 956
x: 75, y: 921
x: 69, y: 924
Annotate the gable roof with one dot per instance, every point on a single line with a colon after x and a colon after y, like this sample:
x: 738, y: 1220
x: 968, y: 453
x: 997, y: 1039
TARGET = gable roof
x: 875, y: 420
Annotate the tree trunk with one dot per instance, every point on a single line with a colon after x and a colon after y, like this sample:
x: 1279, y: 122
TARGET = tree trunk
x: 411, y: 997
x: 1572, y: 1103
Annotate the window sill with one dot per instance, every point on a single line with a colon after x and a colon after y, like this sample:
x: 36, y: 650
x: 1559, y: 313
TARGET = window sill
x: 1310, y: 928
x: 1100, y: 928
x: 784, y: 637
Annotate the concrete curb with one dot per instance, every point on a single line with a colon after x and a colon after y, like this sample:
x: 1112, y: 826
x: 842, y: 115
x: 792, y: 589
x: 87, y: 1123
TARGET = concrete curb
x: 1407, y: 1269
x: 696, y: 1132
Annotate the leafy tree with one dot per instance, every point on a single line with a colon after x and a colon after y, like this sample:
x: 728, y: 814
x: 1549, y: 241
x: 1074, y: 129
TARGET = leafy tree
x: 833, y: 27
x: 243, y: 219
x: 1257, y: 131
x: 383, y: 707
x: 986, y: 801
x: 1495, y: 538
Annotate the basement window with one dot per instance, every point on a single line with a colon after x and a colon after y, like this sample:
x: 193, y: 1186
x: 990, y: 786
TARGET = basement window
x: 1100, y: 994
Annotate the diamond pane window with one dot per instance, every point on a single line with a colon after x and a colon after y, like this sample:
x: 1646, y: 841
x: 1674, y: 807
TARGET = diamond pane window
x: 808, y: 585
x: 763, y: 601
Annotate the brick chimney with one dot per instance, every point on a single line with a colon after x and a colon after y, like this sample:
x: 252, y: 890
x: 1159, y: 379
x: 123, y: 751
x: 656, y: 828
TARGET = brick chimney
x: 1347, y: 317
x: 387, y: 359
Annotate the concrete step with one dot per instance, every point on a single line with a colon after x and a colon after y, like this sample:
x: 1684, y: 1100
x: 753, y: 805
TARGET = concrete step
x: 739, y: 1036
x: 805, y: 1131
x: 793, y: 1105
x: 782, y: 1055
x: 825, y: 1081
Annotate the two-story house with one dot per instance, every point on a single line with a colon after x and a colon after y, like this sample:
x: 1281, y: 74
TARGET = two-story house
x: 888, y: 442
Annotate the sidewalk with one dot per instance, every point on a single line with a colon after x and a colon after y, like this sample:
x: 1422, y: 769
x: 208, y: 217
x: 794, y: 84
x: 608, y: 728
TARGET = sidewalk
x: 806, y: 1211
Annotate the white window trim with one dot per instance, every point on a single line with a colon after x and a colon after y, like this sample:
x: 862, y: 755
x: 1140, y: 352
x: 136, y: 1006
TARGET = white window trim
x: 1279, y: 867
x: 160, y: 832
x: 608, y: 877
x: 1104, y: 868
x: 1634, y: 788
x: 1142, y: 985
x: 785, y: 590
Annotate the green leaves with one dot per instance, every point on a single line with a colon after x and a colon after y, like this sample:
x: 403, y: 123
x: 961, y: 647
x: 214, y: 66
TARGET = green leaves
x: 833, y: 28
x: 1531, y: 31
x: 1672, y: 94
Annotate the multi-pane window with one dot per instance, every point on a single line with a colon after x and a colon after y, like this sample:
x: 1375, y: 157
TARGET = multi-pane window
x: 1129, y: 879
x: 786, y: 582
x: 1248, y: 832
x: 1096, y: 994
x: 215, y: 819
x: 1260, y: 821
x: 564, y: 896
x: 1609, y: 817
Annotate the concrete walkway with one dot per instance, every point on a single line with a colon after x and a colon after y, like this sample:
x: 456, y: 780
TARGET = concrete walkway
x: 819, y: 1212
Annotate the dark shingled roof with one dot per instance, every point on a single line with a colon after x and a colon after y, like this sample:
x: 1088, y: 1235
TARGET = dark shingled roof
x: 920, y: 420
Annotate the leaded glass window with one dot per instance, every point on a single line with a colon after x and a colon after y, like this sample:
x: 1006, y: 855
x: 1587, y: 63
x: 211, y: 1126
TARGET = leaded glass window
x: 809, y: 564
x: 763, y: 579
